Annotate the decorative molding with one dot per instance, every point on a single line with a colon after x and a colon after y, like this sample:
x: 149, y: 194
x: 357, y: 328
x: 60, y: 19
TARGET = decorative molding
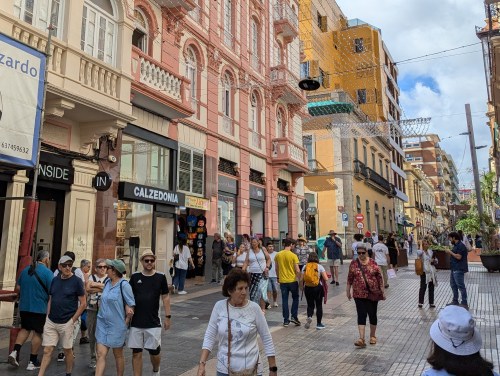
x: 214, y: 58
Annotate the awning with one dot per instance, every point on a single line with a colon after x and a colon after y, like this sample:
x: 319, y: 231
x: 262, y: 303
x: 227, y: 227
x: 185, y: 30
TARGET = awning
x: 329, y: 107
x: 408, y: 224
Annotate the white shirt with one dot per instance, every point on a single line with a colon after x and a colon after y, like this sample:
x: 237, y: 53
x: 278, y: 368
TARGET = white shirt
x: 321, y: 269
x: 256, y: 262
x: 240, y: 259
x: 272, y: 271
x: 381, y: 251
x: 246, y: 323
x: 184, y: 256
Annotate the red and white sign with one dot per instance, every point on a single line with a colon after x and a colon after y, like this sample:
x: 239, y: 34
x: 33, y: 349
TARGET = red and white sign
x: 360, y: 225
x: 360, y: 217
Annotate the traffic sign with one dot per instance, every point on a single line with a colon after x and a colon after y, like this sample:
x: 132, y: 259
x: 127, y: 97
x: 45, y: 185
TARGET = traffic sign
x: 345, y: 217
x: 304, y: 204
x: 360, y: 225
x: 345, y: 224
x: 304, y: 216
x: 360, y: 218
x: 340, y: 208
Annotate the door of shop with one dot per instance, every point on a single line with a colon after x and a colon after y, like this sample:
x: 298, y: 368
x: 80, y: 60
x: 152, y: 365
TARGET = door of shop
x: 164, y: 230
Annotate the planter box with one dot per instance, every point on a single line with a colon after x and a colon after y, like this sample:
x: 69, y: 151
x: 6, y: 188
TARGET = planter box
x: 443, y: 260
x: 491, y: 262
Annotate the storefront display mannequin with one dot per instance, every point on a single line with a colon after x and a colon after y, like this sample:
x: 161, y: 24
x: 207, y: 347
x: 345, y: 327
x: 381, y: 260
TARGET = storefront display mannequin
x: 133, y: 243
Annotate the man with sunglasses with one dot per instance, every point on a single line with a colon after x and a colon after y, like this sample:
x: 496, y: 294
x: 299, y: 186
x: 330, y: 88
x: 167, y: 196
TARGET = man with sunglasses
x: 145, y: 331
x: 94, y: 288
x: 67, y: 302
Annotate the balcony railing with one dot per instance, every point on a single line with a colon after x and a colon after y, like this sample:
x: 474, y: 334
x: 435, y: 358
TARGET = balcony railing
x: 286, y: 21
x: 379, y: 180
x: 255, y: 139
x: 154, y: 75
x: 187, y: 5
x: 360, y: 169
x: 228, y: 125
x: 280, y: 76
x: 286, y: 151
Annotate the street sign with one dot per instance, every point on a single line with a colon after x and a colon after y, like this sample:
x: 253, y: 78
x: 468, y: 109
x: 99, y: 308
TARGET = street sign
x: 360, y: 218
x: 345, y: 217
x: 304, y: 204
x: 360, y: 225
x: 345, y: 224
x: 304, y: 216
x: 340, y: 208
x: 102, y: 181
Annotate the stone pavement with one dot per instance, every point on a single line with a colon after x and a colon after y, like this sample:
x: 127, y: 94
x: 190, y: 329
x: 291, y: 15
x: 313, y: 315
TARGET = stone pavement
x: 403, y: 332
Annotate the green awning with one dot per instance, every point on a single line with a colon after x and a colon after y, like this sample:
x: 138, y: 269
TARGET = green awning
x: 329, y: 107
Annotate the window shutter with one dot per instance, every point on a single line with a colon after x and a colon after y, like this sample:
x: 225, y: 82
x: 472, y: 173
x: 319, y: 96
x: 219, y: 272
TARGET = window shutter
x: 184, y: 170
x: 197, y: 173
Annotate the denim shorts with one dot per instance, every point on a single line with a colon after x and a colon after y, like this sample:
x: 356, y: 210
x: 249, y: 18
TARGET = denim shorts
x: 272, y: 285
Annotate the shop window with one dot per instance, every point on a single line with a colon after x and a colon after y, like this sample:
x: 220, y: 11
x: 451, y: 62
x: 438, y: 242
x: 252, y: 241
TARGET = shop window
x: 190, y: 171
x: 226, y: 213
x: 41, y: 14
x: 99, y: 29
x: 256, y: 177
x: 227, y: 167
x: 283, y: 185
x: 145, y: 163
x: 140, y: 37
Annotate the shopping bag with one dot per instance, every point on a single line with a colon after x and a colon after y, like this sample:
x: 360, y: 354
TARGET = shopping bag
x: 391, y: 273
x: 263, y: 289
x: 419, y: 266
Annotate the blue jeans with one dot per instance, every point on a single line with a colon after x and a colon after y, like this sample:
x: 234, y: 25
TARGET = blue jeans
x: 286, y: 288
x: 179, y: 278
x: 457, y: 283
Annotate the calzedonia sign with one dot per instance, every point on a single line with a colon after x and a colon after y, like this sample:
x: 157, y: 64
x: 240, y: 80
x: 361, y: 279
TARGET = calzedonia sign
x: 142, y: 193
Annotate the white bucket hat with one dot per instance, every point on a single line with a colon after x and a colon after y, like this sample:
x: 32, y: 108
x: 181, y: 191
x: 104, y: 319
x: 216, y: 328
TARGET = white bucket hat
x: 455, y: 331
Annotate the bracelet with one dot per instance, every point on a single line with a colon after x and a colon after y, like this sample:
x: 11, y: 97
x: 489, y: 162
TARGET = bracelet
x: 168, y: 316
x: 202, y: 362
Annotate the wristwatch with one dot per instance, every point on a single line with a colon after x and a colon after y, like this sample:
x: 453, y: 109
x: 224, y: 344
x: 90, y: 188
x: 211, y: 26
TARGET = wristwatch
x: 273, y: 369
x: 168, y: 316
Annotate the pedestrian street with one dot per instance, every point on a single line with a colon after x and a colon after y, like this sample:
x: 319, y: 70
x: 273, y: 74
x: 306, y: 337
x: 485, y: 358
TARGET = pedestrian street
x: 403, y: 332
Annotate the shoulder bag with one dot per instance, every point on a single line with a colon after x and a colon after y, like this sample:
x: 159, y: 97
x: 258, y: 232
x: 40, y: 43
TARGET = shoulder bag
x: 32, y: 271
x: 419, y: 266
x: 246, y: 372
x: 372, y: 295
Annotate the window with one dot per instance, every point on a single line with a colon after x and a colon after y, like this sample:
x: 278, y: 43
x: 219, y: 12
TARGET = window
x: 377, y: 219
x: 322, y: 22
x: 192, y: 75
x: 387, y: 172
x: 41, y: 14
x: 358, y: 204
x: 359, y: 45
x: 390, y: 220
x: 365, y: 155
x: 361, y: 96
x: 355, y: 148
x: 254, y: 113
x: 368, y: 220
x: 196, y: 12
x: 381, y: 168
x: 304, y: 69
x: 373, y: 161
x: 279, y: 55
x: 227, y: 95
x: 228, y: 23
x: 384, y: 217
x: 191, y: 171
x: 281, y: 130
x: 140, y: 36
x: 99, y: 27
x: 255, y: 45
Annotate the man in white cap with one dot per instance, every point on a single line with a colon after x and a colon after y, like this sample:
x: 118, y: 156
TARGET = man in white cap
x: 145, y: 331
x: 67, y: 302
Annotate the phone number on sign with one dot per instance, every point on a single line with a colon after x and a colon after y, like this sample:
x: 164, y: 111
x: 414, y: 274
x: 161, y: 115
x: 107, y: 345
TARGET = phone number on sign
x: 20, y: 149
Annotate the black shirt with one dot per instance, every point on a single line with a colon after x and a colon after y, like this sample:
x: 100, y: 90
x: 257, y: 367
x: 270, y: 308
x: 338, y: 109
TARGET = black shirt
x: 147, y: 292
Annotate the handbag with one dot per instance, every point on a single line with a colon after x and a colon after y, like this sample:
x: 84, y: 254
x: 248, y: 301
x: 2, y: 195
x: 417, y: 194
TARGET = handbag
x: 419, y: 266
x: 246, y: 372
x: 372, y: 295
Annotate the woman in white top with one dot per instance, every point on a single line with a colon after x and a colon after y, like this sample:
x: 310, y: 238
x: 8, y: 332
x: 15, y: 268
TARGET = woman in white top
x: 257, y: 264
x: 240, y: 256
x: 429, y: 278
x: 314, y: 294
x: 181, y: 266
x: 234, y: 325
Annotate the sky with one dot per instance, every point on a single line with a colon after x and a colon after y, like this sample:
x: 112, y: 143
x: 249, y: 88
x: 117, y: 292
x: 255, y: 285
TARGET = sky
x: 438, y: 88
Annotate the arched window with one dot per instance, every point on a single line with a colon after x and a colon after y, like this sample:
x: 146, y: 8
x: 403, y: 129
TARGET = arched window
x: 41, y: 14
x: 140, y: 37
x: 228, y: 23
x: 377, y: 219
x: 254, y: 113
x: 227, y: 95
x: 192, y: 75
x: 279, y: 55
x: 254, y: 42
x: 99, y: 29
x: 281, y: 126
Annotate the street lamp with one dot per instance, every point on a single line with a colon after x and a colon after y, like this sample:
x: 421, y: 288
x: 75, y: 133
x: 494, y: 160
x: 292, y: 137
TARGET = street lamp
x: 481, y: 147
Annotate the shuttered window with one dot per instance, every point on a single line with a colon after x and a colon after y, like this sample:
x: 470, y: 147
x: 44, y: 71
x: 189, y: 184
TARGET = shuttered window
x: 191, y: 171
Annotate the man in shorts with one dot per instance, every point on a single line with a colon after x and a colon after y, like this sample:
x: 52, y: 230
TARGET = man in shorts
x: 272, y: 286
x: 145, y: 331
x: 67, y: 302
x: 333, y: 247
x: 33, y: 289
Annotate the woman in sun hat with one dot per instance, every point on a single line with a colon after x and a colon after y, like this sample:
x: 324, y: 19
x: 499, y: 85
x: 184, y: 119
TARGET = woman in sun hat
x: 456, y: 345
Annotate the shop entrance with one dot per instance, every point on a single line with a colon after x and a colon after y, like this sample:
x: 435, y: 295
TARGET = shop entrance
x: 164, y: 240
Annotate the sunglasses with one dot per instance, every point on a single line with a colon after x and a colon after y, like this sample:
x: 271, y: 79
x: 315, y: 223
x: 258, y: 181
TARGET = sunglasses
x: 67, y: 265
x: 149, y: 261
x: 361, y: 253
x: 109, y: 267
x: 101, y: 267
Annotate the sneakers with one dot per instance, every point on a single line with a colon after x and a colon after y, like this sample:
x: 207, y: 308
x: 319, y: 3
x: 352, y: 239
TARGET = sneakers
x: 12, y: 359
x: 84, y: 340
x: 92, y: 364
x: 320, y: 327
x: 452, y: 303
x: 182, y: 292
x: 337, y: 284
x: 33, y: 366
x: 157, y: 373
x: 61, y: 357
x: 275, y: 304
x: 420, y: 305
x: 286, y: 323
x: 432, y: 306
x: 213, y: 281
x: 308, y: 323
x: 295, y: 320
x: 332, y: 282
x: 268, y: 306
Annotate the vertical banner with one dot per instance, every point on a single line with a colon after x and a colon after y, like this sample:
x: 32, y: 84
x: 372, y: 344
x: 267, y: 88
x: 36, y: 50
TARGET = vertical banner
x: 22, y: 71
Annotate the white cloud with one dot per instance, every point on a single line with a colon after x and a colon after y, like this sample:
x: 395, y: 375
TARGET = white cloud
x: 420, y: 27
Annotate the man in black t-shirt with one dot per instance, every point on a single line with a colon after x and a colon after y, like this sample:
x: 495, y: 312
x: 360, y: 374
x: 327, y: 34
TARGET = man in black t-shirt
x: 145, y: 332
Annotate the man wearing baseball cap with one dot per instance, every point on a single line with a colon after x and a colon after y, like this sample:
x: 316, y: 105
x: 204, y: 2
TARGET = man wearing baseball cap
x: 67, y: 302
x: 333, y: 248
x: 145, y: 332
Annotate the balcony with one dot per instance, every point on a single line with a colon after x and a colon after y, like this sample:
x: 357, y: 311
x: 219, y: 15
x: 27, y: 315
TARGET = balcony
x: 289, y: 155
x: 378, y: 181
x: 177, y: 5
x: 286, y: 22
x: 360, y: 170
x: 286, y: 86
x: 159, y: 90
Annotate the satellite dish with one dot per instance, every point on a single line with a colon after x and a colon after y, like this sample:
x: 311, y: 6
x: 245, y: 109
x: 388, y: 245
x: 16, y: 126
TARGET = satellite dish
x: 309, y: 84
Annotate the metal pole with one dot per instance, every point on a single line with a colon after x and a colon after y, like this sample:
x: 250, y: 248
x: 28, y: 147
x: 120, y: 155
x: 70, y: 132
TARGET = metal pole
x: 475, y: 169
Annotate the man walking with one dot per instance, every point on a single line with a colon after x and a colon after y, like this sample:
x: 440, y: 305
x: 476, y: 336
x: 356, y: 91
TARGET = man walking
x: 458, y: 268
x: 33, y: 289
x: 217, y: 249
x: 145, y: 332
x: 288, y: 272
x: 410, y: 242
x: 272, y: 287
x: 94, y: 287
x: 66, y: 303
x: 333, y: 247
x: 382, y: 259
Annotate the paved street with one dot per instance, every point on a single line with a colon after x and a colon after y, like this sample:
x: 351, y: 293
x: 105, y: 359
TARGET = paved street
x: 402, y: 333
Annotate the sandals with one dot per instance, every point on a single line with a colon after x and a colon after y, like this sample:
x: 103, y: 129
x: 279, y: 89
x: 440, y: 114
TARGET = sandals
x: 360, y: 343
x: 373, y: 340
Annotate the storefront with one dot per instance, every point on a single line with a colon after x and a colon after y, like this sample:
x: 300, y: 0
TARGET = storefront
x: 227, y: 204
x: 282, y: 215
x: 257, y: 204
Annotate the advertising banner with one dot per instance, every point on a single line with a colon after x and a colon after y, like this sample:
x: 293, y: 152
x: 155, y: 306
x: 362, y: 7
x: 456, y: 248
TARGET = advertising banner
x: 22, y: 71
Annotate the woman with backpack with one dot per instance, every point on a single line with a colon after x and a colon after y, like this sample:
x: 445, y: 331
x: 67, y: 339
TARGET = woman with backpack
x: 313, y: 277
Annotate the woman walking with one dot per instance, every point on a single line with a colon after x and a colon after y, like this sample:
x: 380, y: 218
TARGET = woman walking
x: 393, y: 247
x: 313, y: 277
x: 115, y: 312
x: 240, y: 256
x: 257, y: 264
x: 181, y: 266
x: 429, y: 278
x: 227, y: 255
x: 234, y: 325
x: 367, y: 285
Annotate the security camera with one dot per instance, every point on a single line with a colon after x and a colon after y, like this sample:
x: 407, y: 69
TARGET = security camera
x: 112, y: 158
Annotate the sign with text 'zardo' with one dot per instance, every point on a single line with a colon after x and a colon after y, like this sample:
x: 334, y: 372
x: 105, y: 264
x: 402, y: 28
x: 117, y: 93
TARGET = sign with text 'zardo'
x: 22, y: 71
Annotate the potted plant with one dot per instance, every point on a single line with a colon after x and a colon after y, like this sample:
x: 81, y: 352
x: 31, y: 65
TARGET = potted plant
x: 491, y: 260
x: 442, y: 257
